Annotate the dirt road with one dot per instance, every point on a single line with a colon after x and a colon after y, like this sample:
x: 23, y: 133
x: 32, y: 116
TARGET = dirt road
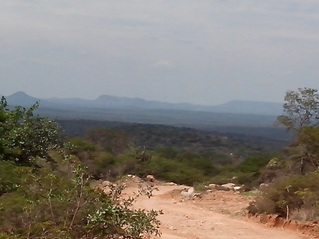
x: 216, y: 216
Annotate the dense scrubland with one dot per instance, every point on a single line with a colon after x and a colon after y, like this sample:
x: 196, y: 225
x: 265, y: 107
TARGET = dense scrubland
x: 47, y: 169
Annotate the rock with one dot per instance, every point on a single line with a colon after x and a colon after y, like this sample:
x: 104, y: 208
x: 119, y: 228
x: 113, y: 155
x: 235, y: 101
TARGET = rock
x: 189, y: 193
x: 105, y: 183
x: 171, y: 184
x: 197, y: 195
x: 212, y: 186
x: 238, y: 188
x: 263, y: 185
x: 150, y: 178
x: 230, y: 186
x: 105, y: 187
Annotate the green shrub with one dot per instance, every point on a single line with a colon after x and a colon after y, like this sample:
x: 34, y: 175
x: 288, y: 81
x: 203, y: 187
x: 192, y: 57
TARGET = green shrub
x: 25, y: 136
x: 61, y: 204
x: 172, y: 170
x: 289, y: 195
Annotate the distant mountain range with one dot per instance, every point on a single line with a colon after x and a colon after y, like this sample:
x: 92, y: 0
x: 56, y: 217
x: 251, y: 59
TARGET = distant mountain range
x: 125, y: 103
x: 136, y: 110
x: 237, y: 117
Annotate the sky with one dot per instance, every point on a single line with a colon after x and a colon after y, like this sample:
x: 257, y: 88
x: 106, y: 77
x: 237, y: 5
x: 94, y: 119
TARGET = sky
x: 203, y: 52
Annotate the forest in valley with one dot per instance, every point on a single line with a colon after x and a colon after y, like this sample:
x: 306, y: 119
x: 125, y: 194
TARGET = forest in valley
x: 48, y: 167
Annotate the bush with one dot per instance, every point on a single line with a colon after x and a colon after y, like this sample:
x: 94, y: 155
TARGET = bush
x: 289, y: 195
x: 172, y: 170
x: 61, y: 204
x: 25, y: 136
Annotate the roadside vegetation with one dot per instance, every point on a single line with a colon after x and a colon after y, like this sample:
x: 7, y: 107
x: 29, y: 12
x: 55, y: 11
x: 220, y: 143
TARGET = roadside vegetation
x: 293, y: 191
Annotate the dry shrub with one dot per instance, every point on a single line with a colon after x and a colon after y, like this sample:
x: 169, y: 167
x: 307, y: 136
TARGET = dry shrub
x: 293, y: 196
x: 304, y: 214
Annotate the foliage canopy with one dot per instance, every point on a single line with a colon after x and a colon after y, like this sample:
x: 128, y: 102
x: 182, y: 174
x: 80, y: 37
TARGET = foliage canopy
x: 25, y: 136
x: 301, y: 109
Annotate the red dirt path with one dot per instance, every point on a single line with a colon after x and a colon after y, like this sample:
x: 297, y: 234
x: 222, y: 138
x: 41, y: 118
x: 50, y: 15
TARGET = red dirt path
x: 216, y: 215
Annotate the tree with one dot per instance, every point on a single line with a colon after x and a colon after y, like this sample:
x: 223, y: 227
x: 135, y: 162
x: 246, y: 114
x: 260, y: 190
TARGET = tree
x: 25, y: 136
x: 301, y: 109
x: 302, y: 116
x: 305, y: 150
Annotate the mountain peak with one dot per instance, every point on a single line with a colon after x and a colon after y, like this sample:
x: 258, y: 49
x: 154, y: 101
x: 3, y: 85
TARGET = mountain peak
x: 107, y: 97
x: 21, y: 98
x: 19, y: 94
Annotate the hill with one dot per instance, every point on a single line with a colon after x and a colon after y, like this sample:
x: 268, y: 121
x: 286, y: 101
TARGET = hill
x: 115, y: 102
x: 240, y: 117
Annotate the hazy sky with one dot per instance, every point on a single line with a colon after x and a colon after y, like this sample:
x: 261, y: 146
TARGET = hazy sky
x: 204, y: 51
